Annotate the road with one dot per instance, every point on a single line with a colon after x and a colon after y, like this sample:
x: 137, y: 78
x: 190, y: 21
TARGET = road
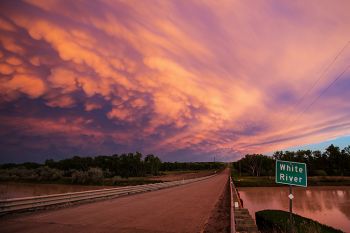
x: 184, y: 208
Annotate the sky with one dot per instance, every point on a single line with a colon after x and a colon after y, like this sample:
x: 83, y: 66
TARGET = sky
x: 185, y: 80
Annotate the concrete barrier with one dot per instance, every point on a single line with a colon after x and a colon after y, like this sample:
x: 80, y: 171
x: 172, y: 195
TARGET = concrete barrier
x: 232, y: 216
x: 243, y: 221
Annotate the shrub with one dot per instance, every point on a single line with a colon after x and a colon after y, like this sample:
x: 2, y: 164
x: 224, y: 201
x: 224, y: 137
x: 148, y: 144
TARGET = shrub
x: 4, y: 174
x: 92, y: 176
x: 48, y: 174
x: 277, y: 221
x: 320, y: 173
x: 95, y: 175
x: 80, y: 177
x: 107, y: 173
x: 22, y: 173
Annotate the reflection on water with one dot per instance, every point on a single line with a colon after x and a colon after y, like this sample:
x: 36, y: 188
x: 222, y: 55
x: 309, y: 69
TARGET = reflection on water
x: 327, y: 205
x: 14, y: 190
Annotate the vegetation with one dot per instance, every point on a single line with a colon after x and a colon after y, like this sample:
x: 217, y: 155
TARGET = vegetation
x: 269, y: 181
x: 332, y: 162
x: 107, y: 170
x: 277, y: 221
x: 255, y: 181
x: 176, y: 166
x: 125, y: 165
x: 40, y: 174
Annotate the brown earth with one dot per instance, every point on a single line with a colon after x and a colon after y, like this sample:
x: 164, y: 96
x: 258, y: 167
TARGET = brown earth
x: 185, y: 208
x: 219, y: 221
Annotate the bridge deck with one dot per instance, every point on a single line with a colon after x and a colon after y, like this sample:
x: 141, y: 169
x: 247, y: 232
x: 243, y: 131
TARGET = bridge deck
x: 180, y: 209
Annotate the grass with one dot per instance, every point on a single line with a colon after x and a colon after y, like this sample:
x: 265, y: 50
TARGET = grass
x: 251, y: 181
x: 329, y: 181
x: 104, y: 182
x: 130, y: 181
x: 269, y: 181
x: 185, y: 171
x: 115, y: 181
x: 277, y: 221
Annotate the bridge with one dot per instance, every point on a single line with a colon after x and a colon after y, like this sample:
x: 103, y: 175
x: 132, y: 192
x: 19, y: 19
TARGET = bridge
x: 183, y: 208
x: 180, y: 206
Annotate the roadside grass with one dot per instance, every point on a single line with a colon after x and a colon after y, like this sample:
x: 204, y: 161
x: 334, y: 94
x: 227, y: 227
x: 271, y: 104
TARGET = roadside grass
x: 277, y: 221
x: 114, y: 181
x: 329, y: 180
x: 251, y: 181
x: 185, y: 171
x: 269, y: 181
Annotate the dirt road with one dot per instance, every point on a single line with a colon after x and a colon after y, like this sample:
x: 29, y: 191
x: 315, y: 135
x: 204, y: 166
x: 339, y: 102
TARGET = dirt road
x: 184, y: 208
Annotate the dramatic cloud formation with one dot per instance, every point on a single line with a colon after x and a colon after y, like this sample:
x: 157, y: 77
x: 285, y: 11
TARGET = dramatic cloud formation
x: 186, y: 80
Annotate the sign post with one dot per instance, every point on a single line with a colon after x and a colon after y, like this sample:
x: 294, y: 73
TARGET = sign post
x: 291, y: 173
x: 291, y: 207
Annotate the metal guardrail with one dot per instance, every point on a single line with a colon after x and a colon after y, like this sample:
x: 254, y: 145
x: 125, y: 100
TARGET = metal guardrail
x: 29, y: 203
x: 232, y: 217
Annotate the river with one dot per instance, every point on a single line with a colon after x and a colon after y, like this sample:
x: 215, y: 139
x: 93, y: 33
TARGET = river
x: 15, y: 190
x: 328, y: 205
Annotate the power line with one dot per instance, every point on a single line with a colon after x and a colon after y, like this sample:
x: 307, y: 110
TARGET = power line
x: 306, y: 93
x: 323, y: 92
x: 325, y: 70
x: 316, y: 82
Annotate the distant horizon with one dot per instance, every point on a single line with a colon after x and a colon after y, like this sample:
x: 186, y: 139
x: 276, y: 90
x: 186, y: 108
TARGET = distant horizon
x: 339, y: 142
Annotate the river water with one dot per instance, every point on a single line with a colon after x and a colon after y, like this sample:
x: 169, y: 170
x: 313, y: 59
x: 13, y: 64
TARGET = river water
x: 328, y: 205
x: 14, y: 190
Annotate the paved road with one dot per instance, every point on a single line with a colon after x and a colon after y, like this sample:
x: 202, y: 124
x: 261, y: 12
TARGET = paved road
x: 184, y: 208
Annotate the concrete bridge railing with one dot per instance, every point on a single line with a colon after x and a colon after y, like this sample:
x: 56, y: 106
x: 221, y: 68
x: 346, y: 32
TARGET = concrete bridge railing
x: 241, y: 220
x: 232, y: 216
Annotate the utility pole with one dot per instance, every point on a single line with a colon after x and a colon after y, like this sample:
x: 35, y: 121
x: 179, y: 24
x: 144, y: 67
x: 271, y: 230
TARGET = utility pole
x: 291, y: 209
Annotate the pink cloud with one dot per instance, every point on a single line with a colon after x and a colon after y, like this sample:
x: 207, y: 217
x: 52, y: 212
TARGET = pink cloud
x: 216, y: 76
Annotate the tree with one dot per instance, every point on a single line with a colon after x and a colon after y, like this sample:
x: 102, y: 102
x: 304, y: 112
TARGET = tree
x: 335, y: 164
x: 152, y: 164
x: 346, y: 160
x: 252, y: 162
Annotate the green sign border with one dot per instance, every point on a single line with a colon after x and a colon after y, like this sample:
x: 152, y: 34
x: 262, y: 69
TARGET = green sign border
x: 289, y: 183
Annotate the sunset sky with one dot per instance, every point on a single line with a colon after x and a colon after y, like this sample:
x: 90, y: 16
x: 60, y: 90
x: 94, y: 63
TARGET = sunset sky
x: 185, y: 80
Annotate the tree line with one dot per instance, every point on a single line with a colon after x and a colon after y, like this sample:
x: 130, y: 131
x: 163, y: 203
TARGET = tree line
x: 182, y: 166
x: 332, y: 162
x: 85, y: 170
x: 124, y: 165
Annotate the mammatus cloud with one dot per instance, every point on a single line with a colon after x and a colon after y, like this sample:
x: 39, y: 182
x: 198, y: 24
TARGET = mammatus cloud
x: 186, y: 80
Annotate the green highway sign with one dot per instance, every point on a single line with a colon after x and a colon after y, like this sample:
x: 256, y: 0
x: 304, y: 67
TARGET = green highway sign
x: 291, y: 173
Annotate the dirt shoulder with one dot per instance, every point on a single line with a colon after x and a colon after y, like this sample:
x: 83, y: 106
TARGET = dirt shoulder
x: 219, y: 221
